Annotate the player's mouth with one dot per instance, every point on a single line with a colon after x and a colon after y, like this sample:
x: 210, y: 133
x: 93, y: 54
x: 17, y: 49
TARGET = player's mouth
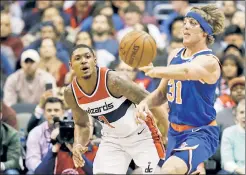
x: 186, y: 34
x: 84, y: 69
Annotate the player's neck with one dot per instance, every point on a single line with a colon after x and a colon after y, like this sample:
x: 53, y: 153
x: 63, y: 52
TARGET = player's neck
x: 194, y: 49
x: 88, y: 85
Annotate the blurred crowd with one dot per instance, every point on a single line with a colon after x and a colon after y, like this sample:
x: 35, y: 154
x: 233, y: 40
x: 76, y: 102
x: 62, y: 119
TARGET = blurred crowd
x: 36, y: 41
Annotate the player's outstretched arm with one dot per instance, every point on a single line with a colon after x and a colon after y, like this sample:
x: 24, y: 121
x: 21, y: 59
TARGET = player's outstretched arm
x: 204, y: 68
x: 81, y: 129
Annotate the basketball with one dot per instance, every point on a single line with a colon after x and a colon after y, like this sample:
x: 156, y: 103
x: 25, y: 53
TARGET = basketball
x: 137, y: 49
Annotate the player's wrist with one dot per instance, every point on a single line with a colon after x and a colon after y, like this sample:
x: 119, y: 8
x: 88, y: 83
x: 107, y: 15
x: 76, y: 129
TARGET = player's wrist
x: 80, y: 146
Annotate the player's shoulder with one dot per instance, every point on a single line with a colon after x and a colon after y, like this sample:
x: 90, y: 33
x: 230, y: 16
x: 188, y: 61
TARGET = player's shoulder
x: 173, y: 54
x: 69, y: 96
x: 212, y: 59
x: 68, y: 89
x: 116, y: 81
x: 114, y: 76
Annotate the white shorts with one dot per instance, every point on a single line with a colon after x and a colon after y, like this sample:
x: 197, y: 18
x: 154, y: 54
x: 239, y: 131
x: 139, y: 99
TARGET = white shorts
x: 115, y: 154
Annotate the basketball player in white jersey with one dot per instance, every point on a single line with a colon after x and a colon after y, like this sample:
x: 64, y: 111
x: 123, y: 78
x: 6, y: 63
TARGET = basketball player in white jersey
x: 111, y: 99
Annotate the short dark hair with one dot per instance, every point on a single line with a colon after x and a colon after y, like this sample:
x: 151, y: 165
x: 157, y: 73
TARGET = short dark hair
x: 233, y: 29
x: 53, y: 100
x: 178, y: 18
x: 50, y: 24
x: 99, y: 8
x: 90, y: 35
x: 132, y: 8
x: 233, y: 46
x: 82, y: 46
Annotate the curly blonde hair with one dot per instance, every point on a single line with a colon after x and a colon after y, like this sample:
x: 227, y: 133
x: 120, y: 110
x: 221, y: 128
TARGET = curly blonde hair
x: 214, y: 17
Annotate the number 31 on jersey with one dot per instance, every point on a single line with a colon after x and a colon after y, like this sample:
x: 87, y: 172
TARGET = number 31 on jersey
x: 174, y: 91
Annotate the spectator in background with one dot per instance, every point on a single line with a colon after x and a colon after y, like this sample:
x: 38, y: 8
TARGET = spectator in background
x: 146, y: 17
x: 176, y: 26
x: 50, y: 63
x: 104, y: 57
x: 132, y: 16
x: 102, y: 32
x: 49, y: 13
x: 119, y: 6
x: 33, y: 16
x: 10, y: 150
x: 15, y: 12
x: 239, y: 20
x: 59, y: 160
x: 11, y: 46
x: 225, y: 116
x: 234, y: 35
x: 64, y: 35
x: 28, y: 83
x: 59, y: 5
x: 37, y: 117
x: 229, y: 8
x: 233, y: 144
x: 48, y: 30
x: 232, y: 49
x: 103, y: 9
x: 38, y: 148
x: 180, y: 9
x: 78, y: 12
x: 232, y: 67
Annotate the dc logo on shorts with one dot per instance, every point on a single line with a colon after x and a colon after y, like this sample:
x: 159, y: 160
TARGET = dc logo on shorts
x: 148, y: 170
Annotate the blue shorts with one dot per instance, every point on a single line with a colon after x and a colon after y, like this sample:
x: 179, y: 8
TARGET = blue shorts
x: 194, y: 146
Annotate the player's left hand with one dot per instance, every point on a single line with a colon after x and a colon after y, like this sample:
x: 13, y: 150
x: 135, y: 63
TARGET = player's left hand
x: 77, y: 151
x: 153, y: 72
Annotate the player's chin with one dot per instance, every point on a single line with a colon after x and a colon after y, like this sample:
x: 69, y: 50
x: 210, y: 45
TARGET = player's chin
x: 187, y: 42
x: 88, y: 76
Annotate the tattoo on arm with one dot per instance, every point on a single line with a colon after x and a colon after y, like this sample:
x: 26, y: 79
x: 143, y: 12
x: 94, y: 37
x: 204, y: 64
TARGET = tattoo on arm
x: 120, y: 85
x: 80, y: 117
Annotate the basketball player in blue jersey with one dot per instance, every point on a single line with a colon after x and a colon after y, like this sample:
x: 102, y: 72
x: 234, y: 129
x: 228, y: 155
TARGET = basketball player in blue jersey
x: 188, y: 84
x: 111, y: 98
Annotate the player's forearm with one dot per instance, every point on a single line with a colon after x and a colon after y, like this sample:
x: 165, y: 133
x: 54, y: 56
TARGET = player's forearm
x: 186, y: 71
x: 81, y: 134
x: 155, y: 99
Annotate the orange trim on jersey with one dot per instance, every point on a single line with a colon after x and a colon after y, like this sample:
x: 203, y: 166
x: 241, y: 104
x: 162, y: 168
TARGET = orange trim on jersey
x: 156, y: 137
x: 99, y: 93
x: 181, y: 128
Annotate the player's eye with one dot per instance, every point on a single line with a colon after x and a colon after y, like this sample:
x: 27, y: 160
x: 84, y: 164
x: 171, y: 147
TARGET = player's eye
x: 193, y: 23
x: 88, y: 56
x: 77, y: 58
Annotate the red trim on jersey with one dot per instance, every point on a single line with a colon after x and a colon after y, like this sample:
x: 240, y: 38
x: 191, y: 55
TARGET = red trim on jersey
x: 99, y: 93
x: 156, y: 137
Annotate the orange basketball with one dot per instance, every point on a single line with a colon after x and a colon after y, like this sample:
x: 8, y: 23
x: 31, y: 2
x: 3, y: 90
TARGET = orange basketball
x: 137, y: 49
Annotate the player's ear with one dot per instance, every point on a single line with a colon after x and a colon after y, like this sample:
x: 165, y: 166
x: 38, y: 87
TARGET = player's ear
x: 70, y: 64
x: 95, y: 56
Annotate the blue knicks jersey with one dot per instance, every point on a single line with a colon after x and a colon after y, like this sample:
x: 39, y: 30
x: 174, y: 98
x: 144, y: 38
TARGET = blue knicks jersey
x: 190, y: 102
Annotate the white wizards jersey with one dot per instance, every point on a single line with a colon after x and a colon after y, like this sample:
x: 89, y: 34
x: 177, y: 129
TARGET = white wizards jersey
x: 117, y: 115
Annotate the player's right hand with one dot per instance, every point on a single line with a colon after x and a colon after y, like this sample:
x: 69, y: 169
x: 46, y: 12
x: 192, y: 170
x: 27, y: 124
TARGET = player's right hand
x: 143, y: 111
x: 78, y: 150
